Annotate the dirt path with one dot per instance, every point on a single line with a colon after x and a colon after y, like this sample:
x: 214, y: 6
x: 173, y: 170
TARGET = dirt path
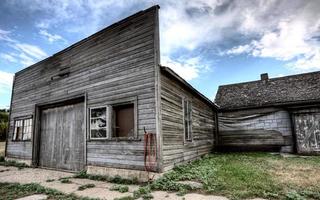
x: 101, y: 189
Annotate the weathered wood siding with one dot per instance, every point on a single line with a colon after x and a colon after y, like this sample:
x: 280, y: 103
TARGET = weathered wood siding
x: 307, y: 130
x: 255, y: 129
x: 62, y: 137
x: 115, y: 63
x: 175, y: 149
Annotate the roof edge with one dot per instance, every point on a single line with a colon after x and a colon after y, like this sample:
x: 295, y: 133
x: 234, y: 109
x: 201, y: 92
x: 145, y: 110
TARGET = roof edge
x: 275, y: 78
x: 284, y: 104
x: 185, y: 83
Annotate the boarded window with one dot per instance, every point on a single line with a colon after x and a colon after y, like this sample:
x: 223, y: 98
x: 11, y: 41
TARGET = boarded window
x: 98, y: 123
x: 187, y: 119
x: 22, y: 129
x: 123, y: 121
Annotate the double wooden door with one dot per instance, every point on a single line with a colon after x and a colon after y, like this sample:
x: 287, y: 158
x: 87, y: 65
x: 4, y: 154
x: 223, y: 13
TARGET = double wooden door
x: 62, y: 137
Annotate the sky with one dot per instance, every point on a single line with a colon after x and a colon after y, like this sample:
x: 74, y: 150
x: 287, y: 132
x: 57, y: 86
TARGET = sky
x: 207, y: 42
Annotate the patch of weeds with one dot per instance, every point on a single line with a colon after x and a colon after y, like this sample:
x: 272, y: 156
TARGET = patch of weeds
x: 65, y: 180
x: 12, y: 191
x: 125, y: 198
x: 303, y: 194
x: 294, y: 195
x: 116, y: 179
x: 120, y: 188
x: 143, y: 192
x: 13, y: 163
x: 49, y: 180
x: 86, y: 186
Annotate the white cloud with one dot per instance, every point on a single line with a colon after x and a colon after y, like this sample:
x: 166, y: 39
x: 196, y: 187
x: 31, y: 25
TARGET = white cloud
x: 187, y: 68
x: 24, y: 53
x: 31, y: 50
x: 6, y: 80
x: 5, y: 36
x: 51, y: 37
x: 8, y: 57
x: 289, y: 37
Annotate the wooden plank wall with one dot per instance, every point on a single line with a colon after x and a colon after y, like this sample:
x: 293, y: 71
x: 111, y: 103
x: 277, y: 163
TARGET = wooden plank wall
x: 116, y: 63
x: 175, y: 150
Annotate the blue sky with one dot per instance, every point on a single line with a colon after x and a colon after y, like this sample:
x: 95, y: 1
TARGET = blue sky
x: 209, y: 43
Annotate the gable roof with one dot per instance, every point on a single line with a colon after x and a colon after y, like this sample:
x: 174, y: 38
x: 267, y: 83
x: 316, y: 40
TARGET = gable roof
x: 295, y: 89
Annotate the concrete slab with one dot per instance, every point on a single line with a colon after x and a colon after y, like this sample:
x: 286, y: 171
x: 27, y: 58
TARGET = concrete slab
x: 34, y: 197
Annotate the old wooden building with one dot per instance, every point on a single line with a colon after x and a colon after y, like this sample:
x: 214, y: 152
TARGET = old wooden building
x: 275, y: 114
x: 89, y: 105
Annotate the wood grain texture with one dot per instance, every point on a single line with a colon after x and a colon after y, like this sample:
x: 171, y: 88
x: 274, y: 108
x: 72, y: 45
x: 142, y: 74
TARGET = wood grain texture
x: 62, y: 137
x: 175, y: 149
x: 113, y: 64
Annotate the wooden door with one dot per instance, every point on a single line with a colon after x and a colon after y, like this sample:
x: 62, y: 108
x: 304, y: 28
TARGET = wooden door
x: 62, y: 137
x: 307, y: 129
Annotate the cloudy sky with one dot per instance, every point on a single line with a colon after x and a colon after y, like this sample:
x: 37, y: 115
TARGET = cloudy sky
x: 208, y: 43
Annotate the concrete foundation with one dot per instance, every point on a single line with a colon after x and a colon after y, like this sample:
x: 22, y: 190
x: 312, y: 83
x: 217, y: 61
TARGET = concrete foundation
x: 142, y: 176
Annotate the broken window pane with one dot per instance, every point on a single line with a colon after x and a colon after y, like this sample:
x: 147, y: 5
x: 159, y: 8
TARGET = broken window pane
x: 98, y: 123
x: 22, y: 129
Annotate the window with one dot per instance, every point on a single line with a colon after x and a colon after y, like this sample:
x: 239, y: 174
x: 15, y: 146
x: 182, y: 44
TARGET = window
x: 187, y: 119
x: 123, y: 121
x: 22, y: 129
x: 98, y: 123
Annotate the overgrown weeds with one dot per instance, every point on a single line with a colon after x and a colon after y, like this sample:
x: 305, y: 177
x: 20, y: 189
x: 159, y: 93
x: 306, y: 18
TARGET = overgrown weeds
x: 12, y: 163
x: 120, y: 188
x: 115, y: 179
x: 10, y: 191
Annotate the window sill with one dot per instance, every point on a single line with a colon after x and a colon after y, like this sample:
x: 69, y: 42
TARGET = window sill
x: 188, y: 143
x: 115, y: 140
x: 20, y: 140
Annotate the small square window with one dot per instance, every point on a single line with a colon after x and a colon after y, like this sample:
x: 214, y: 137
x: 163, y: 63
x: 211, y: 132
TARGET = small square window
x: 22, y: 129
x: 98, y: 123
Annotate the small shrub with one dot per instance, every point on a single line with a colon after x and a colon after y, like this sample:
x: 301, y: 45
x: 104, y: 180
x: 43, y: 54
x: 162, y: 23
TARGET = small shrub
x: 49, y: 180
x: 120, y: 188
x: 143, y: 192
x: 1, y: 158
x: 294, y: 195
x: 65, y: 180
x: 86, y: 186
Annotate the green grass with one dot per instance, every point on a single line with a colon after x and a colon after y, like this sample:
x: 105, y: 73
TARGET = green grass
x: 246, y: 175
x: 10, y: 191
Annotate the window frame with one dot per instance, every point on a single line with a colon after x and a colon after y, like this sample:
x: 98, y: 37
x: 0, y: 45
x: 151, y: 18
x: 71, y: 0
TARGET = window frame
x: 189, y: 121
x: 23, y: 119
x: 135, y: 119
x: 107, y: 124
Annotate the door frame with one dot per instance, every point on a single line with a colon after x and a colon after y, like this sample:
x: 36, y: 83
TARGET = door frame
x: 36, y: 137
